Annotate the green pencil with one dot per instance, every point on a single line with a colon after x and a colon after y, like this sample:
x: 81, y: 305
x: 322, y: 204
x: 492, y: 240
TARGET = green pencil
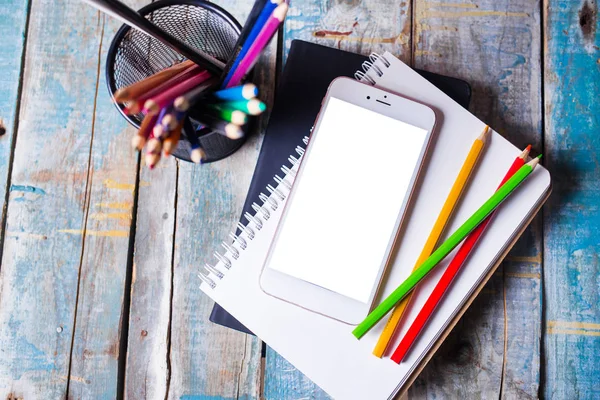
x: 445, y: 248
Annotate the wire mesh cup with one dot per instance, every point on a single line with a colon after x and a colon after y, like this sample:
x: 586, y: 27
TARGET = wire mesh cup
x: 133, y: 56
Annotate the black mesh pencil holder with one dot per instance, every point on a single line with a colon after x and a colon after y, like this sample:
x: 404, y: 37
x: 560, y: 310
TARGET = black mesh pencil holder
x: 134, y: 56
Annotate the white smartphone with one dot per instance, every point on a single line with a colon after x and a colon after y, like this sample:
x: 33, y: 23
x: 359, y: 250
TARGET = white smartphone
x: 348, y: 200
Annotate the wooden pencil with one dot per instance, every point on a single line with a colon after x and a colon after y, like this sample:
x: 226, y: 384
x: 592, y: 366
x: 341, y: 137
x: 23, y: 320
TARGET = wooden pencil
x: 252, y: 107
x: 436, y: 232
x: 258, y: 45
x: 234, y: 116
x: 160, y: 100
x: 197, y: 153
x: 228, y: 129
x: 247, y: 91
x: 136, y: 105
x: 246, y: 29
x: 446, y: 280
x: 153, y: 150
x: 171, y: 141
x: 137, y: 89
x: 445, y: 248
x: 139, y: 140
x: 183, y: 102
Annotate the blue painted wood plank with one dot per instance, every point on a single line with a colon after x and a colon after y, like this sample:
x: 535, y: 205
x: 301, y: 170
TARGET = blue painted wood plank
x: 41, y: 255
x: 104, y: 261
x: 494, y: 45
x: 363, y: 26
x: 13, y: 14
x: 69, y: 215
x: 571, y: 217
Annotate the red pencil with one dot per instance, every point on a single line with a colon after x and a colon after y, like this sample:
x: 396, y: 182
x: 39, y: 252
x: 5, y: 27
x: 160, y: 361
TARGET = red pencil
x: 446, y: 279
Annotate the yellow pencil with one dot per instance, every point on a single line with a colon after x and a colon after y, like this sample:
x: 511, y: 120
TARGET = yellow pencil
x: 434, y: 236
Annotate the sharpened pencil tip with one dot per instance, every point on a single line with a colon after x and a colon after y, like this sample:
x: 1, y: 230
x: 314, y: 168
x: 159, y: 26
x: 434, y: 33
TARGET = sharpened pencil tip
x: 539, y: 157
x: 525, y: 153
x: 485, y: 134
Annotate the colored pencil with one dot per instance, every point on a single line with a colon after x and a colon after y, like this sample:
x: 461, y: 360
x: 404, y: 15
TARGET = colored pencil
x: 252, y: 107
x: 445, y: 248
x: 259, y: 44
x: 453, y: 268
x: 187, y: 100
x: 234, y: 116
x: 137, y: 104
x: 246, y: 29
x: 237, y: 93
x: 159, y: 130
x: 197, y: 153
x: 139, y: 140
x: 434, y: 236
x: 135, y: 90
x: 154, y: 104
x: 171, y: 141
x: 153, y: 149
x: 254, y: 32
x: 232, y: 131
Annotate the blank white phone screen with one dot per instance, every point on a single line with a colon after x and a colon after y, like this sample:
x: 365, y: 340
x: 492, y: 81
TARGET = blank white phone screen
x: 341, y: 216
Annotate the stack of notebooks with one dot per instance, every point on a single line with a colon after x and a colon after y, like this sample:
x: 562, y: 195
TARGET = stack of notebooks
x: 324, y: 349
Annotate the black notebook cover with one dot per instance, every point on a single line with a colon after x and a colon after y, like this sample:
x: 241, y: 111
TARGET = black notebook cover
x: 309, y: 70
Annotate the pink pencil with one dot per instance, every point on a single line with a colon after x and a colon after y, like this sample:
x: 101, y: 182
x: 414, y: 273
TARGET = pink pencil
x: 136, y: 104
x: 259, y: 44
x: 154, y: 104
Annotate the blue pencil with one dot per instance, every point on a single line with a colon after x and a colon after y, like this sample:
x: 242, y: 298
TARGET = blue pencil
x: 237, y: 93
x: 258, y: 25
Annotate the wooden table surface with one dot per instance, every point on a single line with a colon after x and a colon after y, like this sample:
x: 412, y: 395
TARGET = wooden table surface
x: 98, y: 289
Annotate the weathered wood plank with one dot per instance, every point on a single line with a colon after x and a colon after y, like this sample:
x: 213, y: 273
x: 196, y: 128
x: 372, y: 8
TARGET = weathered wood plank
x: 112, y: 180
x: 361, y: 27
x: 209, y: 203
x: 147, y: 374
x: 48, y: 202
x: 495, y: 46
x: 571, y: 236
x: 13, y: 15
x: 196, y: 358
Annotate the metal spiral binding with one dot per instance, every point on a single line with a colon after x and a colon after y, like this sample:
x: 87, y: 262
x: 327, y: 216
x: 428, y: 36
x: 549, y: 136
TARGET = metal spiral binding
x: 375, y: 65
x: 374, y: 57
x: 261, y: 209
x: 362, y: 77
x: 234, y: 250
x: 283, y: 182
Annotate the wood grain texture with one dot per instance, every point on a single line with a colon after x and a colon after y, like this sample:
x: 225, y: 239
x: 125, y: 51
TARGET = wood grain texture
x: 571, y: 235
x: 359, y: 26
x: 206, y: 359
x: 112, y: 180
x: 147, y: 370
x: 13, y: 15
x: 174, y: 351
x: 283, y: 381
x: 495, y: 46
x: 49, y: 198
x: 356, y: 26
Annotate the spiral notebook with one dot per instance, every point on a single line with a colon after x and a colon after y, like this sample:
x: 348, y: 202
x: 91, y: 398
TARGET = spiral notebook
x: 309, y: 70
x: 324, y: 349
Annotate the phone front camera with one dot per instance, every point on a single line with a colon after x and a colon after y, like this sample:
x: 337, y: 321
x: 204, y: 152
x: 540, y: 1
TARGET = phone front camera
x: 368, y: 97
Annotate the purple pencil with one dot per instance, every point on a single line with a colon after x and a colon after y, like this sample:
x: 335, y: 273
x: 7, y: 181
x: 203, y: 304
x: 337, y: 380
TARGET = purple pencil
x: 259, y: 44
